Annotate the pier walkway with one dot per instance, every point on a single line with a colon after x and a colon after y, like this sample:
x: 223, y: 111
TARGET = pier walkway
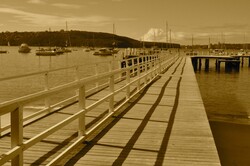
x: 165, y: 123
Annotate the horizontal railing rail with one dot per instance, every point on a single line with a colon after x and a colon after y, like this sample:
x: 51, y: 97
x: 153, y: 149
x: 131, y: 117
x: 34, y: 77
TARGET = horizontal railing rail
x: 137, y: 73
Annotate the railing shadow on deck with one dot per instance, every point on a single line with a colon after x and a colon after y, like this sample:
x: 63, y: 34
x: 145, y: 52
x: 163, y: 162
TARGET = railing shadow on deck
x: 136, y: 75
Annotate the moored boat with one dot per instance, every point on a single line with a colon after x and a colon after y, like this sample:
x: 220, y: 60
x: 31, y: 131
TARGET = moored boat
x: 24, y: 48
x: 46, y: 52
x: 103, y: 52
x: 3, y: 51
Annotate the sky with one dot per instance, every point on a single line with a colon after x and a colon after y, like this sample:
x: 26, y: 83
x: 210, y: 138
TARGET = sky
x: 178, y: 21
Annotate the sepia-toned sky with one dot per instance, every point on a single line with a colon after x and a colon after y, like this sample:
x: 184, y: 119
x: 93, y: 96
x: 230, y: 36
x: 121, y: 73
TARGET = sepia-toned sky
x: 220, y: 20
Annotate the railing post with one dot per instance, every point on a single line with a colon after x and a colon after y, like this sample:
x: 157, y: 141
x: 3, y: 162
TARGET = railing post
x: 146, y: 70
x: 96, y: 73
x: 159, y: 62
x: 128, y: 82
x: 151, y: 67
x: 138, y: 74
x: 111, y: 88
x: 17, y: 134
x: 77, y: 76
x: 132, y: 64
x: 82, y: 106
x: 0, y: 126
x: 119, y: 67
x: 46, y: 86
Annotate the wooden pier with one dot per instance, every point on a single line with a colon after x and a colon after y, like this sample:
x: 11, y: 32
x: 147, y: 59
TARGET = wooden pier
x: 163, y: 122
x: 165, y: 125
x: 231, y: 62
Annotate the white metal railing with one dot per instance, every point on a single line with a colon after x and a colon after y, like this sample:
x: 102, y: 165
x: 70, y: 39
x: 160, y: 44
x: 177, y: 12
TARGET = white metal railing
x: 137, y: 74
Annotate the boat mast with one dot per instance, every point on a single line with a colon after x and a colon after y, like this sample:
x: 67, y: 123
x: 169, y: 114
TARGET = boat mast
x: 166, y: 34
x: 68, y: 35
x: 192, y: 43
x: 113, y: 43
x: 170, y: 38
x: 209, y: 44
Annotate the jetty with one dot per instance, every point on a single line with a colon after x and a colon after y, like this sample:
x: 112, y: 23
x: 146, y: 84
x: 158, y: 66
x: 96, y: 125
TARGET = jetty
x: 146, y: 113
x: 232, y: 62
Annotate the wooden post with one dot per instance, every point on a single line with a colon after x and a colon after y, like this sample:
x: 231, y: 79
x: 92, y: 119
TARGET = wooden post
x: 17, y: 134
x: 128, y: 82
x: 195, y: 63
x: 96, y: 73
x: 46, y: 87
x: 119, y: 67
x: 111, y: 89
x: 151, y: 68
x: 206, y: 64
x: 248, y: 61
x: 82, y: 106
x: 228, y: 66
x: 218, y: 66
x: 132, y: 64
x: 138, y: 74
x: 242, y: 61
x: 146, y: 70
x: 200, y: 64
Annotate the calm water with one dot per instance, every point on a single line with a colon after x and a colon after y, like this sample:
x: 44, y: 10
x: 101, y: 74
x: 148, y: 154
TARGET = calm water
x: 226, y: 95
x: 14, y: 63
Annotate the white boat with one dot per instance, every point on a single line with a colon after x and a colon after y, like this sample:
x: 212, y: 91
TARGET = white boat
x: 103, y: 52
x: 24, y: 48
x: 46, y: 52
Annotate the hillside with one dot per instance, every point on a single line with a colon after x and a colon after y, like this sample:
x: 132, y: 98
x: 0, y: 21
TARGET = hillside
x: 74, y: 38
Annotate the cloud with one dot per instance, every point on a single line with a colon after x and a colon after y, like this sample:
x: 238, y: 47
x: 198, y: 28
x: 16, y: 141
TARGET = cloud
x: 36, y: 19
x: 66, y: 6
x: 155, y: 34
x: 36, y: 1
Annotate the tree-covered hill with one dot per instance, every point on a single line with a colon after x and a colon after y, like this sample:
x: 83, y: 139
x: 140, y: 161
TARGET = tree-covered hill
x: 74, y: 38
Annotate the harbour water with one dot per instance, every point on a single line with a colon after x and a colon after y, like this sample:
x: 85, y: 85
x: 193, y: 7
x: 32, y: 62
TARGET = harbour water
x: 226, y: 94
x: 226, y: 99
x: 14, y: 63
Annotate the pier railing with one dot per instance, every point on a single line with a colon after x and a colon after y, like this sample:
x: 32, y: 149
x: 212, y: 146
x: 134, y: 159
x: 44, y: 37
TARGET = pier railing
x: 137, y: 73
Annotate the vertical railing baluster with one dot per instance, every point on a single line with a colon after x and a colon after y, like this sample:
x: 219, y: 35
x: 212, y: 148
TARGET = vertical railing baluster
x: 160, y: 67
x: 146, y: 70
x: 17, y: 134
x: 151, y: 68
x: 138, y: 74
x: 128, y: 82
x: 77, y: 78
x: 119, y: 67
x: 82, y: 106
x: 46, y: 87
x: 111, y: 87
x: 0, y: 126
x: 96, y: 73
x: 133, y: 69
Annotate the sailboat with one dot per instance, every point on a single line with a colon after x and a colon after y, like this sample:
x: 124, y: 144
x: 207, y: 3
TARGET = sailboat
x: 108, y: 51
x: 66, y: 49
